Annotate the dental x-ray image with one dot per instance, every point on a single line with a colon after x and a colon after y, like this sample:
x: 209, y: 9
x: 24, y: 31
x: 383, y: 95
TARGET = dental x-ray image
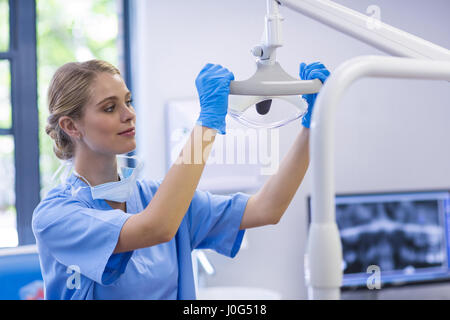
x: 395, y: 235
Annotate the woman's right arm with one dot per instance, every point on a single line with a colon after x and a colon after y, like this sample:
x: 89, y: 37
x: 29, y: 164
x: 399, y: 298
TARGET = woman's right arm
x: 160, y: 220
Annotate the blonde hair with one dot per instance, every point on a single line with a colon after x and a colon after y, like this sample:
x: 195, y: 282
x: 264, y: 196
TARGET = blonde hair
x: 69, y: 91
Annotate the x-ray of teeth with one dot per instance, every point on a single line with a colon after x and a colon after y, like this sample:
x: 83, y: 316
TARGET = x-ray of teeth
x: 404, y: 235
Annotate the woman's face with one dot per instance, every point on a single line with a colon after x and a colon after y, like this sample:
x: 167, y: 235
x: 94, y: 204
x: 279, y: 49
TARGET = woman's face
x: 108, y: 123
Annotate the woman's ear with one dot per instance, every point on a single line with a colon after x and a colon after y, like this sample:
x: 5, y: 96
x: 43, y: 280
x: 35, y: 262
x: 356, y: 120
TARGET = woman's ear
x: 69, y: 127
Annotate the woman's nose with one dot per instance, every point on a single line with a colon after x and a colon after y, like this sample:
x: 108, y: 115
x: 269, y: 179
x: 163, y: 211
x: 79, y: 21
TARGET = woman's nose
x: 128, y: 113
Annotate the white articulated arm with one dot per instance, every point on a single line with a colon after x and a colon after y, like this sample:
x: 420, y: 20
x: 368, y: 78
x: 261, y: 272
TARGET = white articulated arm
x: 324, y: 250
x: 429, y: 61
x: 364, y: 28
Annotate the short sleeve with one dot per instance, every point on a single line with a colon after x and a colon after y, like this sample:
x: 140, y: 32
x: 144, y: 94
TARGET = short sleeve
x: 214, y: 221
x: 79, y: 236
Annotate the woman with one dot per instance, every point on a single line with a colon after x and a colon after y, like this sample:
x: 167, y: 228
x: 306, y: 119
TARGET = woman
x: 105, y: 236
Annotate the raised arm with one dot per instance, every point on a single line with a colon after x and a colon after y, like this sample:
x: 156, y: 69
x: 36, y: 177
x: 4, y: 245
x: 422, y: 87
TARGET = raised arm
x: 268, y: 205
x: 162, y: 217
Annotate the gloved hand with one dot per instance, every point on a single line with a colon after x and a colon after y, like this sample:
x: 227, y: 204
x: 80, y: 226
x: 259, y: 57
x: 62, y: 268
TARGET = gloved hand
x: 312, y: 71
x: 213, y: 86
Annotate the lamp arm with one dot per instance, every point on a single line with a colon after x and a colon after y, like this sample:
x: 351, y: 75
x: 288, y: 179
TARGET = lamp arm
x: 368, y: 29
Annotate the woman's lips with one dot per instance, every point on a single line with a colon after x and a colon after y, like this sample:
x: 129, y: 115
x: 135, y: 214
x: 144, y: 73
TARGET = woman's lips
x: 129, y: 133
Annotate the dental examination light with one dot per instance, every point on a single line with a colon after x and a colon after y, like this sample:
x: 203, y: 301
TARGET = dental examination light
x: 270, y: 81
x: 415, y: 58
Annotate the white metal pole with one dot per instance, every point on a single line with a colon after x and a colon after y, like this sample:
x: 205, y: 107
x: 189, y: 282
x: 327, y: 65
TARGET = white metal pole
x: 324, y: 252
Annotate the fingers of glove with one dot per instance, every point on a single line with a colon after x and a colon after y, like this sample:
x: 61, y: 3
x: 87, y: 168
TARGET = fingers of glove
x: 214, y: 76
x: 310, y: 68
x: 220, y: 78
x: 216, y: 71
x: 304, y: 68
x: 225, y: 74
x: 215, y: 68
x: 222, y: 72
x: 205, y: 68
x: 202, y: 74
x: 321, y: 74
x: 230, y: 76
x: 314, y: 65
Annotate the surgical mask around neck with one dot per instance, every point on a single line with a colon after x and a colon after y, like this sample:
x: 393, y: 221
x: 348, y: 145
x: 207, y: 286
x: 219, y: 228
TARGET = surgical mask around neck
x: 118, y: 191
x: 63, y: 172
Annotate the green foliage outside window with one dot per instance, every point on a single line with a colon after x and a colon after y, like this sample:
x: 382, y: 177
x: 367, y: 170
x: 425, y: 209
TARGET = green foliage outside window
x: 70, y: 31
x: 67, y: 31
x: 4, y: 25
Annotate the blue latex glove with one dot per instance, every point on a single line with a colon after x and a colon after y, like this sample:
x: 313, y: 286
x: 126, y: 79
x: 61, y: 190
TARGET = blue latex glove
x: 312, y: 71
x: 213, y: 86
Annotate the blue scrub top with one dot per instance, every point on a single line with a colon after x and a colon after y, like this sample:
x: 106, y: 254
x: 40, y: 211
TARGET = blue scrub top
x: 76, y: 237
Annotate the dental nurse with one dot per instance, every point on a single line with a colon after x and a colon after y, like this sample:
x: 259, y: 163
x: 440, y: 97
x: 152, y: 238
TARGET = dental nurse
x: 104, y: 235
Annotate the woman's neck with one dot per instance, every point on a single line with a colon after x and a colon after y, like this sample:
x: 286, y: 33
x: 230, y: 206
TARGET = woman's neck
x: 96, y: 168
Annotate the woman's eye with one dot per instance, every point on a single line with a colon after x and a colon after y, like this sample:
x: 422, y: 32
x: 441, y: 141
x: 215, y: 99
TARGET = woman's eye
x: 129, y: 102
x: 109, y: 109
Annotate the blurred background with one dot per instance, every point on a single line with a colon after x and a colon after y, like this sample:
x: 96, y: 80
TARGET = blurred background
x: 391, y: 135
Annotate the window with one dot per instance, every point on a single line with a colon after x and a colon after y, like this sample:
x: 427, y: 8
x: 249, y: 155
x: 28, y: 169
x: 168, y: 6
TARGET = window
x: 4, y: 25
x: 70, y: 31
x: 57, y: 32
x: 18, y: 122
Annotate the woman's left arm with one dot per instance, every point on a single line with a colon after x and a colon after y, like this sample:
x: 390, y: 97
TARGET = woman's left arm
x: 268, y: 205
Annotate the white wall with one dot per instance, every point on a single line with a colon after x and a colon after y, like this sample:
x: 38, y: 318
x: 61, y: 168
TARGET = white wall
x: 391, y: 134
